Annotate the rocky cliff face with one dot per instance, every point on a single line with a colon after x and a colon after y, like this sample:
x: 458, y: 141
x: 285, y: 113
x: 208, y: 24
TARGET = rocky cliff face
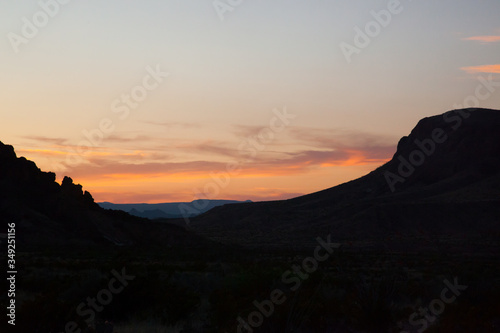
x: 443, y: 182
x: 457, y: 144
x: 22, y: 182
x: 49, y: 214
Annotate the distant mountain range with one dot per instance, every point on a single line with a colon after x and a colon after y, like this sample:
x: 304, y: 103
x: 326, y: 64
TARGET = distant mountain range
x: 169, y: 210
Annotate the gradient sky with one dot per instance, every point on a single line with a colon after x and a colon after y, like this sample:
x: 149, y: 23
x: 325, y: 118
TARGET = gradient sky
x: 226, y: 81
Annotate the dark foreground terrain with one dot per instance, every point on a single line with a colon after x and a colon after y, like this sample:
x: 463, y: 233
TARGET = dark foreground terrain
x: 350, y: 292
x: 409, y: 248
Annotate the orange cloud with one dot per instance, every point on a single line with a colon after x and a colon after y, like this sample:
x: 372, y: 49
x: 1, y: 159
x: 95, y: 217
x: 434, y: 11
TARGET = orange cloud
x: 484, y: 39
x: 154, y: 171
x: 482, y: 69
x: 292, y: 163
x: 43, y: 152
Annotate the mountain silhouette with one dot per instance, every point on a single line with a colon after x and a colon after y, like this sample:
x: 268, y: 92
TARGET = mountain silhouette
x: 169, y: 209
x: 49, y: 214
x: 440, y: 189
x: 432, y: 210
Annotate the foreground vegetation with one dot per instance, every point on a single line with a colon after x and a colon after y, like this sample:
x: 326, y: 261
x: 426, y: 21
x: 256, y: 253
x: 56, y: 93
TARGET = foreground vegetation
x: 357, y: 292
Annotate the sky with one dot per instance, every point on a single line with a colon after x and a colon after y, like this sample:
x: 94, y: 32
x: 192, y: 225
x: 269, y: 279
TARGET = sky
x: 173, y: 100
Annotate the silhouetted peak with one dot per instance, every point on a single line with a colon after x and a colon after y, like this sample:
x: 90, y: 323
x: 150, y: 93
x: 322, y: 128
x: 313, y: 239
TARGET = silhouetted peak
x: 48, y: 213
x: 472, y: 124
x: 20, y: 174
x: 7, y: 152
x: 23, y: 181
x: 76, y: 191
x: 67, y: 186
x: 459, y: 143
x: 87, y: 198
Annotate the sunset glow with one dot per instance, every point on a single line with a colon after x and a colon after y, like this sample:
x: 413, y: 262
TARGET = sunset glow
x: 145, y: 102
x: 483, y: 69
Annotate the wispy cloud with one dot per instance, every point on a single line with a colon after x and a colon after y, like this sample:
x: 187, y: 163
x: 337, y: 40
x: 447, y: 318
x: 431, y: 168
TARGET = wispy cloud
x: 41, y: 152
x: 324, y: 148
x: 46, y: 139
x: 303, y: 149
x: 62, y: 143
x: 171, y: 124
x: 245, y: 131
x: 216, y: 148
x: 373, y: 146
x: 109, y: 168
x: 484, y: 39
x: 152, y: 165
x: 490, y: 69
x: 127, y: 139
